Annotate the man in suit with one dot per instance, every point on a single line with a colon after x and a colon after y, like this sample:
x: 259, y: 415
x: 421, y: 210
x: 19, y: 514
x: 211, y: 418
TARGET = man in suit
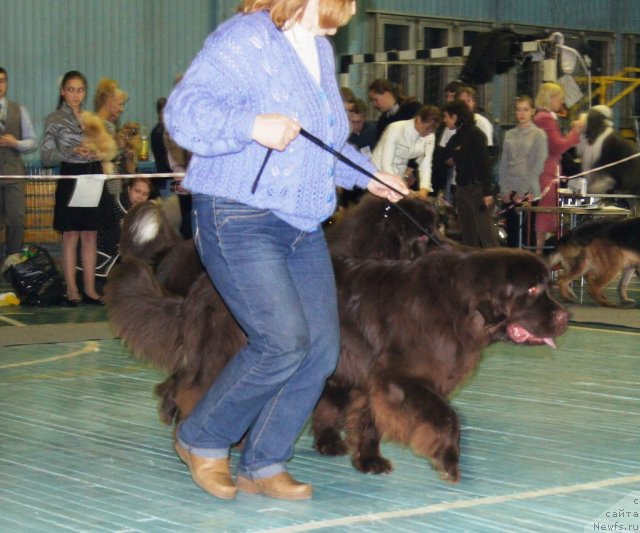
x: 16, y: 137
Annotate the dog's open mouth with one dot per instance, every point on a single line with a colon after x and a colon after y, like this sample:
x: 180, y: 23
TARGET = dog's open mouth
x: 520, y: 335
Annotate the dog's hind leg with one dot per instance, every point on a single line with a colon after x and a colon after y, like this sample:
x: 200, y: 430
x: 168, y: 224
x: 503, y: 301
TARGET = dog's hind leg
x: 597, y: 283
x: 577, y: 265
x: 363, y: 436
x: 328, y: 420
x: 623, y: 285
x: 408, y: 411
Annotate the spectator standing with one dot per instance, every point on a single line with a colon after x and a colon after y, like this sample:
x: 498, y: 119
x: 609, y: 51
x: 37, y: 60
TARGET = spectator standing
x: 363, y: 131
x: 524, y: 152
x: 16, y: 137
x: 468, y: 95
x: 549, y: 101
x: 260, y: 239
x: 158, y: 146
x: 474, y: 195
x: 388, y: 98
x: 109, y: 102
x: 410, y: 139
x: 62, y: 145
x: 348, y: 98
x: 363, y: 137
x: 442, y: 172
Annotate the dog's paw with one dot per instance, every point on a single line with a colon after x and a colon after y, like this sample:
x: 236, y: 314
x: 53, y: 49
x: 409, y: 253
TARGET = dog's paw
x: 372, y: 465
x: 329, y: 442
x: 628, y: 302
x: 168, y: 412
x: 605, y: 303
x: 567, y: 294
x: 450, y: 471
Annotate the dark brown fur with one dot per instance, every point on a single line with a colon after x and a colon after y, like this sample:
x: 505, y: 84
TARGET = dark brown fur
x: 148, y: 236
x: 599, y: 251
x: 399, y: 359
x: 439, y: 312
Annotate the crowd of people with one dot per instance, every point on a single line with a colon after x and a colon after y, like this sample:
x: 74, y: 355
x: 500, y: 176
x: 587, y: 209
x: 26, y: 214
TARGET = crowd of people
x: 452, y: 152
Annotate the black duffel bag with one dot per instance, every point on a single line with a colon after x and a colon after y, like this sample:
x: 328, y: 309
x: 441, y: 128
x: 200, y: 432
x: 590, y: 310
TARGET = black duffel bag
x: 36, y: 280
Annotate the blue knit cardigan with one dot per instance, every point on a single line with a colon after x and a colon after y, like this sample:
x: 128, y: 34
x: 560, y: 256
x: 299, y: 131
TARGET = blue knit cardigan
x: 248, y: 67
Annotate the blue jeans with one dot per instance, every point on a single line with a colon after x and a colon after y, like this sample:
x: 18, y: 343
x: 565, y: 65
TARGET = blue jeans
x: 279, y: 284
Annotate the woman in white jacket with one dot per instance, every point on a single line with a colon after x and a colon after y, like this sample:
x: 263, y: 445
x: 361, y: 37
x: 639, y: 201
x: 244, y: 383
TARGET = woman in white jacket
x: 410, y: 139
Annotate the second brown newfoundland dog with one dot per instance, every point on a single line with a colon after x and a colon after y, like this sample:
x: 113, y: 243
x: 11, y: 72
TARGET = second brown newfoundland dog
x: 412, y: 331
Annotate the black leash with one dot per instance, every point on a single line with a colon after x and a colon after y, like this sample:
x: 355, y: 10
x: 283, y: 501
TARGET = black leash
x: 264, y: 164
x: 355, y: 166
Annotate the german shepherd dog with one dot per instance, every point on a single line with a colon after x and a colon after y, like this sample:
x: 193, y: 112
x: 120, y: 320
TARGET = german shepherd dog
x: 599, y: 251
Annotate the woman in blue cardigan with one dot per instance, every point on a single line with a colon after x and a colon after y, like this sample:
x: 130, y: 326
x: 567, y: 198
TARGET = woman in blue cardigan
x: 262, y: 76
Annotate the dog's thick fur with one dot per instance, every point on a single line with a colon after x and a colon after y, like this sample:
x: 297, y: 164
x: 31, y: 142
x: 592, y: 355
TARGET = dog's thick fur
x: 399, y: 360
x: 599, y: 251
x: 130, y: 139
x: 146, y: 234
x: 609, y: 147
x: 98, y: 140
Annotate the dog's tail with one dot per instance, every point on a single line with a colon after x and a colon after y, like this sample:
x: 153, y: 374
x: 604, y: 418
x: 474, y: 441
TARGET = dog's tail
x: 147, y: 232
x: 145, y: 316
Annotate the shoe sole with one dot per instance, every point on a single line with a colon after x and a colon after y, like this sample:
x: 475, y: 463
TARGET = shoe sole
x: 184, y: 457
x: 251, y: 487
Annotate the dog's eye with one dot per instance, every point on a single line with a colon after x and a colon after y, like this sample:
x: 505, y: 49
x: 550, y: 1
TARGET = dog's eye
x: 533, y: 291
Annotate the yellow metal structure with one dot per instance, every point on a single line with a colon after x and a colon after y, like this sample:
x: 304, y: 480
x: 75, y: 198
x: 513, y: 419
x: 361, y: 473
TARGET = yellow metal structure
x: 604, y: 83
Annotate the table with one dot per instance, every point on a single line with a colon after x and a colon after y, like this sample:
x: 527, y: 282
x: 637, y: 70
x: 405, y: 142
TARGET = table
x: 571, y: 197
x: 573, y: 212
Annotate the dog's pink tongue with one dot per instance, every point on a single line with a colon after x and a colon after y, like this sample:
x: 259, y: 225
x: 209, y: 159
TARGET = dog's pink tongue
x: 520, y: 335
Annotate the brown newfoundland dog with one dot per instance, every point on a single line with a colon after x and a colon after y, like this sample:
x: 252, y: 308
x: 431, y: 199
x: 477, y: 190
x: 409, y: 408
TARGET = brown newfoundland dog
x: 414, y: 323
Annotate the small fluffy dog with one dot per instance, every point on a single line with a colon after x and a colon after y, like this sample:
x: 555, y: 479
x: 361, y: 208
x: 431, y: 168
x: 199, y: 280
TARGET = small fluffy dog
x: 129, y: 138
x: 98, y: 140
x: 601, y: 145
x: 599, y: 251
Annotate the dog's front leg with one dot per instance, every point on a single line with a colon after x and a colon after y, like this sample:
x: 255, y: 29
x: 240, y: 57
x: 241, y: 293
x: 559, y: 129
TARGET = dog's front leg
x: 407, y: 410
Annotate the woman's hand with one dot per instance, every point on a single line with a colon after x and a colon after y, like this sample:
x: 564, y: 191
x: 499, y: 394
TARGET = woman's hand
x: 274, y: 130
x: 379, y: 189
x: 578, y: 124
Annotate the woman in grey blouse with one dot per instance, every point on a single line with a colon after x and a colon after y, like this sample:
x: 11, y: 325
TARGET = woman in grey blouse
x: 62, y: 145
x: 524, y: 152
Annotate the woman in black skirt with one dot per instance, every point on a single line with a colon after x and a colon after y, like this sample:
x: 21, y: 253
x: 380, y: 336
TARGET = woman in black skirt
x: 62, y: 145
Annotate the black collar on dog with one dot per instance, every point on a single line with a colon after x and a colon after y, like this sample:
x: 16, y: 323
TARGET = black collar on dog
x: 353, y: 165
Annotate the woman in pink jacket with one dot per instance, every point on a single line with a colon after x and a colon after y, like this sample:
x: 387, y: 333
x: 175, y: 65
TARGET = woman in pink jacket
x: 548, y: 102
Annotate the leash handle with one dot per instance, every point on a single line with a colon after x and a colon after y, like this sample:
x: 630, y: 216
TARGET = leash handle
x: 264, y: 164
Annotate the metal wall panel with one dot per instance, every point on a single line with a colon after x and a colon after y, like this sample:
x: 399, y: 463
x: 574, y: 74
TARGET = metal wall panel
x: 607, y: 15
x: 142, y: 44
